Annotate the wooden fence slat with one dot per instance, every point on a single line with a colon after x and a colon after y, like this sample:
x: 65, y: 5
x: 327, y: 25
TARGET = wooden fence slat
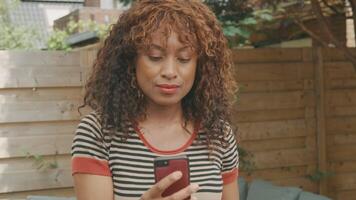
x: 20, y: 174
x: 40, y: 94
x: 34, y: 180
x: 8, y: 130
x: 274, y: 71
x: 341, y: 139
x: 344, y: 83
x: 346, y: 194
x: 339, y: 70
x: 342, y: 111
x: 341, y: 125
x: 343, y: 166
x: 40, y: 77
x: 345, y: 181
x: 333, y: 54
x: 40, y: 145
x: 270, y: 101
x: 345, y: 97
x: 274, y: 144
x: 267, y: 55
x: 11, y: 165
x: 307, y: 54
x: 268, y: 115
x: 61, y: 192
x: 39, y: 58
x: 87, y: 58
x: 273, y: 129
x: 342, y: 152
x: 274, y: 86
x: 276, y: 173
x: 284, y: 158
x: 39, y: 111
x: 320, y: 96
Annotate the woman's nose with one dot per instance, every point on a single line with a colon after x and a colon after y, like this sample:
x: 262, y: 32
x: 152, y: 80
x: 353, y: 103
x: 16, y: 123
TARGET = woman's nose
x: 169, y: 69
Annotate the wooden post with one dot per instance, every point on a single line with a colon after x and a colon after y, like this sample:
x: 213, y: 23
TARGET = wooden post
x: 350, y: 22
x: 320, y: 115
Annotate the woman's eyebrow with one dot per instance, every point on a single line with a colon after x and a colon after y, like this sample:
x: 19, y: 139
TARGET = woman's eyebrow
x: 184, y: 48
x: 156, y: 46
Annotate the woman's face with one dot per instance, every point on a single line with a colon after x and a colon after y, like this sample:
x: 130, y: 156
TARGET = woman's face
x: 165, y: 73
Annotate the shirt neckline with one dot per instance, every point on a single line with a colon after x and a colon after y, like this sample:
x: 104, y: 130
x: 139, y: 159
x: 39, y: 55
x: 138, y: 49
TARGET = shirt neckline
x: 167, y: 152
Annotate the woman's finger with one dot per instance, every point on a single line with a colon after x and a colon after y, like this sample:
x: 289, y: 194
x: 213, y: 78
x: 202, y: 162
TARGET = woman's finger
x: 157, y: 189
x: 184, y: 193
x: 193, y: 198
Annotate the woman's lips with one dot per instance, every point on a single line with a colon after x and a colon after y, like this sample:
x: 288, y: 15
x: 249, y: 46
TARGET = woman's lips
x: 168, y: 89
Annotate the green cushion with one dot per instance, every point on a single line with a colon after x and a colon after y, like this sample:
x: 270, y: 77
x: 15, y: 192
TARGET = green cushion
x: 242, y: 188
x: 263, y: 190
x: 311, y: 196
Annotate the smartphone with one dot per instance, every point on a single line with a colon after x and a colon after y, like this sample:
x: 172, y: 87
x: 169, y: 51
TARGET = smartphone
x: 163, y: 166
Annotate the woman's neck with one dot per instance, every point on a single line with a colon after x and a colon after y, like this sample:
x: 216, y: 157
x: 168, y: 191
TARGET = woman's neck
x: 164, y: 114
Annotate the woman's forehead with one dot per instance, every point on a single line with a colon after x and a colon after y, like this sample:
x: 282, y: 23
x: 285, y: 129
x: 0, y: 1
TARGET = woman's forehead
x: 162, y: 36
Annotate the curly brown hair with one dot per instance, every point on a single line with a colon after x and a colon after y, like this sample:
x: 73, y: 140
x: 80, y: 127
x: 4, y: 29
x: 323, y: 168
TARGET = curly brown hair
x: 112, y: 90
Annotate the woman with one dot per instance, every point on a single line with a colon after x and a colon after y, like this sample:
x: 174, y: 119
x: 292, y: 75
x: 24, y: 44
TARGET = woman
x: 162, y: 85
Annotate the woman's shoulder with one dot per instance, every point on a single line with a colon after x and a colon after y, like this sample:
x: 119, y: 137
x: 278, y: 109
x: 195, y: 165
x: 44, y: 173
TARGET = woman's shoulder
x: 93, y: 121
x: 227, y: 130
x: 92, y: 117
x: 226, y: 127
x: 90, y: 123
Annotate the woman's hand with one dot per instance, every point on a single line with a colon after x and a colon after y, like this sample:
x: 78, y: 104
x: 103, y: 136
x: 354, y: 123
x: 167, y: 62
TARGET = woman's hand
x: 155, y: 192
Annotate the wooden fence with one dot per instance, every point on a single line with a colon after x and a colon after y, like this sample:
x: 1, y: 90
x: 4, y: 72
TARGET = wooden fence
x: 296, y: 114
x: 39, y: 94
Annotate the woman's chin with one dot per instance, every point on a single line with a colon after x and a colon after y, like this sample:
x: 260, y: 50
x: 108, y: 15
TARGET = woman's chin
x: 166, y: 102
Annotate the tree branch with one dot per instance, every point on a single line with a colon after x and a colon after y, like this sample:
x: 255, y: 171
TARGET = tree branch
x: 330, y: 7
x: 326, y: 29
x: 310, y: 32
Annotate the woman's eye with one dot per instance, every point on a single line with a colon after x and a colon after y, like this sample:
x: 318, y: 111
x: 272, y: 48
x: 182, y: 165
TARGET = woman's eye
x: 155, y: 58
x: 184, y: 60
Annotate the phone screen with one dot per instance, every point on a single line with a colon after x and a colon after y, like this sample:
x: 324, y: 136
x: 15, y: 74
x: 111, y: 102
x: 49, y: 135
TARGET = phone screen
x: 163, y: 166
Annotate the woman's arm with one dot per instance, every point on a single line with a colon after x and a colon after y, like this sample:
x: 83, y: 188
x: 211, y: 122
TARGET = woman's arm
x: 93, y: 187
x: 230, y: 191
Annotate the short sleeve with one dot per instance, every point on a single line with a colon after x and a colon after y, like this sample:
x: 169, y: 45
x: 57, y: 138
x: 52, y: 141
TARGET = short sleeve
x: 89, y: 152
x: 230, y: 162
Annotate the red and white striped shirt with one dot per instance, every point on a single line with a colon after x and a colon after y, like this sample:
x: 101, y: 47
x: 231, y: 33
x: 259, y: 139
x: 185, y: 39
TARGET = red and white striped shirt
x: 130, y: 162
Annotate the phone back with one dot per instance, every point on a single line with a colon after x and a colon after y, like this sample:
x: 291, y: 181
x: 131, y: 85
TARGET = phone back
x: 167, y: 165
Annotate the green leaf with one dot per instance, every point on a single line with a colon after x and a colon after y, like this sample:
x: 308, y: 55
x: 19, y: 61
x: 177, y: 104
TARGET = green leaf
x: 248, y: 21
x: 244, y: 32
x: 236, y: 31
x: 53, y: 165
x: 266, y: 16
x: 230, y: 30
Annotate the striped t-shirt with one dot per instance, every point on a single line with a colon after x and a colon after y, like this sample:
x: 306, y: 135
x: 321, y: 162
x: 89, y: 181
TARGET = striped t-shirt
x: 130, y: 162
